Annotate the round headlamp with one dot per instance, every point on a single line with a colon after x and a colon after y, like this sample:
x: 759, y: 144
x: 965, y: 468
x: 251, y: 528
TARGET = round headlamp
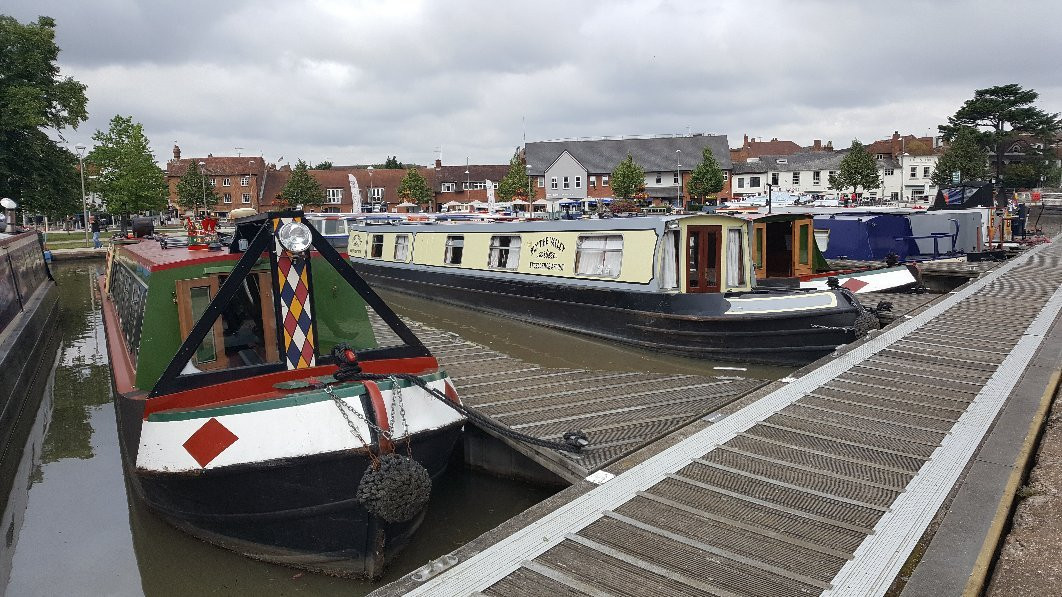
x: 295, y: 237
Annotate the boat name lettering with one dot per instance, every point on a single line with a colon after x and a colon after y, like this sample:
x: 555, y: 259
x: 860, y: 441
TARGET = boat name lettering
x: 555, y: 267
x: 547, y: 248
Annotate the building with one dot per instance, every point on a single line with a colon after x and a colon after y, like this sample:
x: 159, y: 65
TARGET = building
x: 913, y: 161
x: 579, y: 170
x: 377, y: 188
x: 751, y: 148
x: 238, y: 181
x: 465, y: 184
x: 797, y: 173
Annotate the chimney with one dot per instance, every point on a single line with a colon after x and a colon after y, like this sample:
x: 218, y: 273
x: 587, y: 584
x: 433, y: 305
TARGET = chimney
x: 829, y: 146
x: 176, y: 152
x: 438, y: 163
x: 746, y: 144
x: 816, y: 145
x: 773, y: 139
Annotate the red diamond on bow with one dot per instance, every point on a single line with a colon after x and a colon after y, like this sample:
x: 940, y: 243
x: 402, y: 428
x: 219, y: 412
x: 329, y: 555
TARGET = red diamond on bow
x: 210, y: 440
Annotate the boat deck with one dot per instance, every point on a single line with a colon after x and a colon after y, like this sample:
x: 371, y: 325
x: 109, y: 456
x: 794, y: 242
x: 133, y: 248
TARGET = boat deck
x: 823, y: 483
x: 960, y: 268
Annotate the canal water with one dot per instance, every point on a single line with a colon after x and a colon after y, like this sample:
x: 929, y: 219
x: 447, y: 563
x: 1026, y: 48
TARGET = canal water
x: 73, y: 529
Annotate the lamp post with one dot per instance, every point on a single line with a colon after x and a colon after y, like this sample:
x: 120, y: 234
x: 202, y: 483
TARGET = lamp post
x: 529, y: 200
x: 678, y: 179
x: 84, y: 202
x: 371, y: 198
x: 202, y: 177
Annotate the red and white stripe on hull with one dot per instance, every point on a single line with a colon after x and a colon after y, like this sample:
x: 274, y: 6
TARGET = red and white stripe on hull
x: 300, y: 424
x: 878, y: 280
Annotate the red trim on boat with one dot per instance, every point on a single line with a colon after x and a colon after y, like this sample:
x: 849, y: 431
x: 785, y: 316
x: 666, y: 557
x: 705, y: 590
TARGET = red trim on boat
x: 261, y: 387
x: 451, y: 393
x: 121, y: 364
x: 378, y: 406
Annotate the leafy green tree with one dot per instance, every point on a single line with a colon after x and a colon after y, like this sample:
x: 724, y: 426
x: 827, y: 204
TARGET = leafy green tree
x: 194, y: 190
x: 965, y: 156
x: 857, y: 169
x: 1004, y: 110
x: 414, y: 188
x: 301, y: 189
x: 391, y: 163
x: 325, y: 165
x: 515, y: 182
x: 628, y: 178
x: 127, y: 176
x: 34, y: 100
x: 707, y: 178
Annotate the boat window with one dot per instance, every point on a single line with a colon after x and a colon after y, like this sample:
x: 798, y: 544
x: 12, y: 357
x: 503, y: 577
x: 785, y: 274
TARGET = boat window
x: 803, y: 244
x: 244, y: 334
x: 735, y: 258
x: 332, y: 227
x: 599, y: 255
x: 376, y: 250
x: 757, y: 249
x: 504, y: 252
x: 455, y: 247
x: 402, y: 248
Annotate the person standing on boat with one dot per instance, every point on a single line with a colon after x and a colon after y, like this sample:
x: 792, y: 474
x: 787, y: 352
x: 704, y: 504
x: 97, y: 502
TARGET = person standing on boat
x: 95, y: 232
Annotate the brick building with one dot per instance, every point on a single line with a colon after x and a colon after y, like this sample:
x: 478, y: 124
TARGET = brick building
x: 238, y: 181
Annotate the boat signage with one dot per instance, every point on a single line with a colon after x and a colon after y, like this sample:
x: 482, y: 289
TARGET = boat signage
x: 546, y: 254
x: 356, y: 248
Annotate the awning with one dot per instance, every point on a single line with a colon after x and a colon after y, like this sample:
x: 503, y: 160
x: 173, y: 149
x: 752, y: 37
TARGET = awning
x: 407, y: 204
x: 451, y: 203
x: 519, y: 202
x: 540, y: 202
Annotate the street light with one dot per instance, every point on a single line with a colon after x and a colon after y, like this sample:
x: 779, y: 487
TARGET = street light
x: 84, y: 202
x: 529, y: 200
x: 371, y: 198
x: 678, y: 180
x: 202, y: 177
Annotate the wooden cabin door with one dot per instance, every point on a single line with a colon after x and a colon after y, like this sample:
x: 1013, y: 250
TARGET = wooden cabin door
x: 759, y: 249
x: 193, y: 297
x: 704, y: 246
x: 803, y: 237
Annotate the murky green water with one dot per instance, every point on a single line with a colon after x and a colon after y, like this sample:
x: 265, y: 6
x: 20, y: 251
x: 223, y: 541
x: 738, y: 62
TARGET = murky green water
x: 76, y: 531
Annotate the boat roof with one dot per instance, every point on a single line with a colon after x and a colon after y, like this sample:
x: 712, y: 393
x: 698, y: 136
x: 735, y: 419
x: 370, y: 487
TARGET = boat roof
x: 588, y: 225
x: 151, y: 255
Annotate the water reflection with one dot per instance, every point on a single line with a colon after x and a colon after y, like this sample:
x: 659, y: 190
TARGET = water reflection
x: 79, y: 533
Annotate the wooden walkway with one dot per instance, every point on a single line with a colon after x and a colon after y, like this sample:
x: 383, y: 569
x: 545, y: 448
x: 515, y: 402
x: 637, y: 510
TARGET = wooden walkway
x: 821, y: 486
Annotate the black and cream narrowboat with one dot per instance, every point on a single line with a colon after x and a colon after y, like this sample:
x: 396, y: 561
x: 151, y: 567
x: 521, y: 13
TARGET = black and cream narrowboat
x: 258, y: 387
x: 679, y: 284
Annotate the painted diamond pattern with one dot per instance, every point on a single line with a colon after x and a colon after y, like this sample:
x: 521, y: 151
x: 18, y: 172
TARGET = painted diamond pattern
x: 293, y: 282
x: 208, y: 441
x: 853, y: 284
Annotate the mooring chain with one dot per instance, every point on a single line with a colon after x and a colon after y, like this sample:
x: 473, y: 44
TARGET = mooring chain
x: 396, y: 396
x: 344, y: 408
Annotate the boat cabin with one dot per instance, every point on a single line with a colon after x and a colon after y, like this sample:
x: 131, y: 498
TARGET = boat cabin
x: 192, y: 318
x: 685, y: 254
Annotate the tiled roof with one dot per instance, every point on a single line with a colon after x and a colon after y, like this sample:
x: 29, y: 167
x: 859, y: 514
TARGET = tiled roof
x: 812, y: 160
x: 219, y: 166
x: 653, y: 155
x: 476, y: 172
x: 773, y: 147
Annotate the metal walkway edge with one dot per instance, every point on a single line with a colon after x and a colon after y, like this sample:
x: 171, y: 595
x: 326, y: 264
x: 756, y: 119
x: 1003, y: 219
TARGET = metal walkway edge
x: 822, y: 486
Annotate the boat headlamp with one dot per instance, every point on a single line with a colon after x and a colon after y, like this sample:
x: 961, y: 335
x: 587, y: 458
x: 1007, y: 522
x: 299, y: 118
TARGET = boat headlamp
x: 295, y: 237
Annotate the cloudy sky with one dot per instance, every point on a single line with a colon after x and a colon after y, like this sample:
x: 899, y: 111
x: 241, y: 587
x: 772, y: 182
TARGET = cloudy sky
x: 356, y: 81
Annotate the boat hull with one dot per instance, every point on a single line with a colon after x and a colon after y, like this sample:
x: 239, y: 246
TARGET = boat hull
x: 298, y: 512
x: 693, y: 325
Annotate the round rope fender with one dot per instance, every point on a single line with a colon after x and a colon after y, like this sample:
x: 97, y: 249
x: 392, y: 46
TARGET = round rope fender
x: 396, y: 490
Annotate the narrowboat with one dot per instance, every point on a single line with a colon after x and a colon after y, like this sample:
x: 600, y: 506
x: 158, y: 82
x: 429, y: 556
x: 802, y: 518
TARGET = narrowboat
x: 258, y: 390
x: 785, y: 253
x: 678, y: 284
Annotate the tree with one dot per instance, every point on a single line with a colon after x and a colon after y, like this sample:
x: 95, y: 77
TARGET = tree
x: 127, y: 176
x: 857, y: 169
x: 325, y: 165
x: 301, y: 189
x: 414, y: 188
x: 707, y: 178
x: 965, y: 156
x: 391, y: 163
x: 194, y: 189
x: 34, y: 100
x: 628, y: 178
x: 516, y: 182
x: 1004, y: 110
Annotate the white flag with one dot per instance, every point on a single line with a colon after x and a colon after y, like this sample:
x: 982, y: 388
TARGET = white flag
x: 490, y: 196
x: 355, y: 193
